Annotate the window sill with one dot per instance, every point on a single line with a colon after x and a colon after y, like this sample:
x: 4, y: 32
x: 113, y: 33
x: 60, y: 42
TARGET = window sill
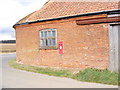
x: 48, y: 48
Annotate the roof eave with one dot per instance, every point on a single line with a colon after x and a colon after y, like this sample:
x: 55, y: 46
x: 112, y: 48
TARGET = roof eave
x: 109, y: 12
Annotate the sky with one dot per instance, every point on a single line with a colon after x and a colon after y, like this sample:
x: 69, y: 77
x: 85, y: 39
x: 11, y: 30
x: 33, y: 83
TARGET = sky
x: 11, y: 11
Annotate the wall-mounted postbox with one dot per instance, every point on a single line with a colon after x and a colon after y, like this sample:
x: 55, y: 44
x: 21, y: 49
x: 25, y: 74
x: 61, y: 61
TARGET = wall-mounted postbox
x: 60, y: 47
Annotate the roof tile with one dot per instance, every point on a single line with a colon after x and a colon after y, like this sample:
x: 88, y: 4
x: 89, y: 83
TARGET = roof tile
x: 60, y: 9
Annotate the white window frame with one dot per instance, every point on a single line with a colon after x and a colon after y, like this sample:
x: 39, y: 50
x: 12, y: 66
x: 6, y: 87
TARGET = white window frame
x: 46, y: 40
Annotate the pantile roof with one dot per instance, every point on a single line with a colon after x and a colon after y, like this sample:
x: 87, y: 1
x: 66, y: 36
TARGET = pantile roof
x: 59, y: 9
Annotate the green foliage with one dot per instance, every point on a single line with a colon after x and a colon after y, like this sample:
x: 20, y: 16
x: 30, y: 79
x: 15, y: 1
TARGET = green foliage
x: 48, y: 71
x: 88, y: 75
x: 98, y: 76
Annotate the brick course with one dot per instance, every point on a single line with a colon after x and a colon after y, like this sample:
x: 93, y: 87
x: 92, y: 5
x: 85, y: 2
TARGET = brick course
x: 84, y: 45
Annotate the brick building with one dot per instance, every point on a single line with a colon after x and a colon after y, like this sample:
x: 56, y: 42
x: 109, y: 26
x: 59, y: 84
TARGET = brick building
x: 70, y: 35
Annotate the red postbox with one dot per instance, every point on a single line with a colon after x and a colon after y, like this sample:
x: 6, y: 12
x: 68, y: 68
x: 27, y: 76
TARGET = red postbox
x: 60, y: 47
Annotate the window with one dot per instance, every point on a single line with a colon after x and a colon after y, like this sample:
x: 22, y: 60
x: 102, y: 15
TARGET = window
x: 48, y: 39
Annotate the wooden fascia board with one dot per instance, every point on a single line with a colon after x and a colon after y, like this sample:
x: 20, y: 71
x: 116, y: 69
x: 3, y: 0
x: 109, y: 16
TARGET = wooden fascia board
x: 98, y: 20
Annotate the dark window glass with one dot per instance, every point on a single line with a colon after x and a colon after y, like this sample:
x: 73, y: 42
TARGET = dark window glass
x: 45, y: 33
x: 49, y: 42
x: 41, y: 34
x: 49, y: 33
x: 53, y: 33
x: 53, y: 42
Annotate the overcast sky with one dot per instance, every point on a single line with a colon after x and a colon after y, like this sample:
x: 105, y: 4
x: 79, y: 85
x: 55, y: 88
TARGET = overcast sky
x: 13, y: 10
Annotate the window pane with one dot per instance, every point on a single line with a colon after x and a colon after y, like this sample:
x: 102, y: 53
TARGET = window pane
x: 41, y: 42
x: 53, y: 42
x: 49, y: 42
x: 53, y: 33
x: 45, y: 33
x: 41, y: 34
x: 44, y: 42
x: 49, y: 33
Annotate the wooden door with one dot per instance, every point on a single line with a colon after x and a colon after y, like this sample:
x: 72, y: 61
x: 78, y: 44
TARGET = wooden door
x: 114, y: 45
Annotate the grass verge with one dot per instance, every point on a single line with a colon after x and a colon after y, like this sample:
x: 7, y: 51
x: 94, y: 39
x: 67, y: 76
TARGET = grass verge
x: 48, y: 71
x: 8, y: 51
x: 88, y: 75
x: 98, y: 76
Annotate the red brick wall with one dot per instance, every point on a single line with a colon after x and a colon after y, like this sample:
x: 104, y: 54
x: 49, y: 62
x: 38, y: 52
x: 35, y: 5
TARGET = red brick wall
x: 84, y: 46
